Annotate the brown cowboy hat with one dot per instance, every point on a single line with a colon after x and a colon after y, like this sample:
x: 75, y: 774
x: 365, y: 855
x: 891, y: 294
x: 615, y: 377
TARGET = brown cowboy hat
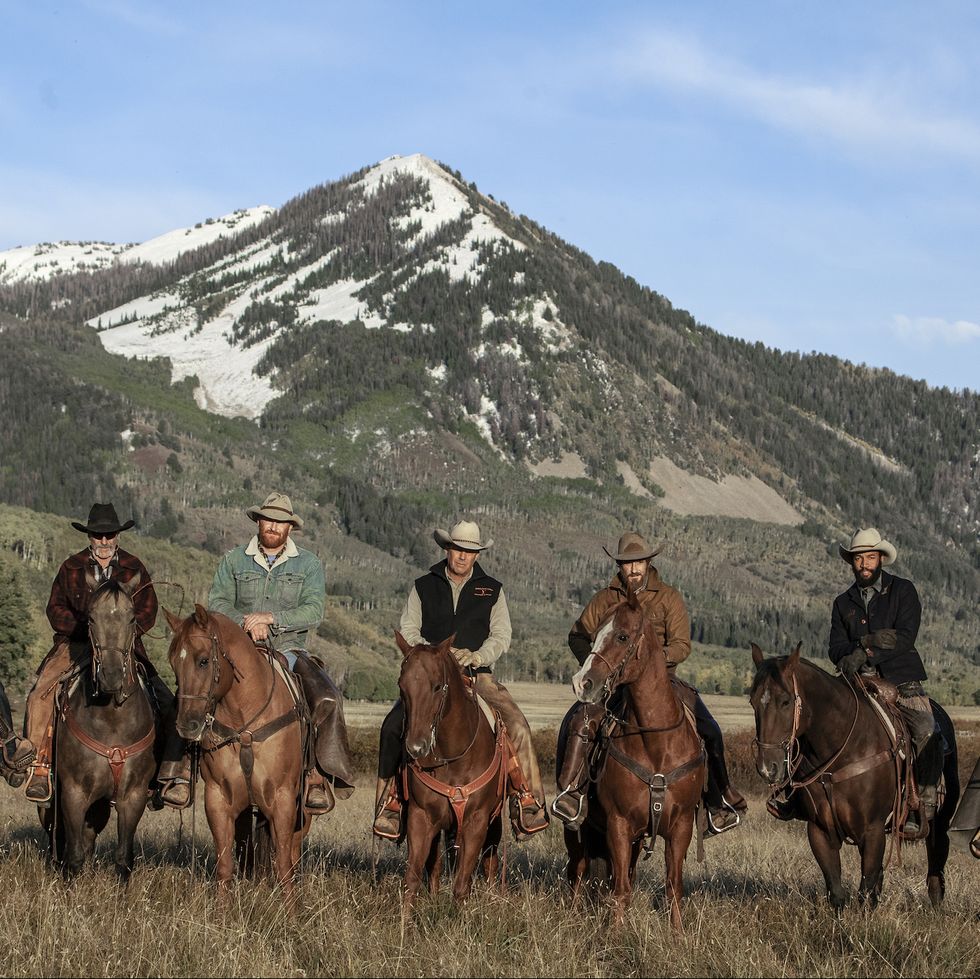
x: 632, y: 547
x: 102, y: 519
x: 868, y: 540
x: 465, y: 536
x: 276, y: 506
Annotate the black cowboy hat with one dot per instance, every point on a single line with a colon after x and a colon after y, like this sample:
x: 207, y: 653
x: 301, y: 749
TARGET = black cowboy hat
x: 102, y: 519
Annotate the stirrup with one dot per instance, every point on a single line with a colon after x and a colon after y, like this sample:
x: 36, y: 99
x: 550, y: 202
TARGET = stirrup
x: 315, y: 788
x: 388, y: 817
x: 172, y: 793
x: 39, y: 788
x: 726, y: 817
x: 571, y: 820
x: 523, y: 806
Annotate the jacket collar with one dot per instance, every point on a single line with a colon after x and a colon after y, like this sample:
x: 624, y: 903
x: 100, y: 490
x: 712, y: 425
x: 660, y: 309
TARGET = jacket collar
x: 652, y: 584
x: 123, y: 559
x: 854, y: 592
x: 439, y: 570
x: 252, y: 550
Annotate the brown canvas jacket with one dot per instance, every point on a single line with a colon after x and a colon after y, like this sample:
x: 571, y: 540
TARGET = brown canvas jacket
x: 662, y: 603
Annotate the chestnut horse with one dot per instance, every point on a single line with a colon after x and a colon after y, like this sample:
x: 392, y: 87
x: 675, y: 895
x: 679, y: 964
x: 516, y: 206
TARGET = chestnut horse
x: 235, y: 703
x: 457, y: 775
x: 655, y: 768
x: 817, y: 735
x: 104, y: 740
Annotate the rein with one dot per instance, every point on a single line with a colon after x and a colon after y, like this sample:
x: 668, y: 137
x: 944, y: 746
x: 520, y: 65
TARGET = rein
x: 221, y: 734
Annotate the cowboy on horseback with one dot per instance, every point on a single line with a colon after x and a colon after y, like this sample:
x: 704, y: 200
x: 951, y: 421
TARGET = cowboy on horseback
x: 665, y: 606
x: 458, y: 598
x: 873, y: 629
x: 67, y: 612
x: 276, y: 592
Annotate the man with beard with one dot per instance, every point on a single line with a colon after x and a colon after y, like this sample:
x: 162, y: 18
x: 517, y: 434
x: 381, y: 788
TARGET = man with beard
x: 664, y: 606
x: 873, y: 629
x: 275, y: 591
x: 67, y: 611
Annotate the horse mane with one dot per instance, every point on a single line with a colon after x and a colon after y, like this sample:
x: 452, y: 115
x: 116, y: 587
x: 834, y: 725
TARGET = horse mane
x: 772, y: 668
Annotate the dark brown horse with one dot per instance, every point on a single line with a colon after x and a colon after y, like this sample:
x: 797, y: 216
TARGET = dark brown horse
x: 816, y: 734
x: 457, y: 775
x: 104, y: 740
x: 235, y: 703
x: 655, y: 769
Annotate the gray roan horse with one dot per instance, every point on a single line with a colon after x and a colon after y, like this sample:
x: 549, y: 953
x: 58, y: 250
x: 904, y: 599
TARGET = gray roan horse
x: 104, y: 741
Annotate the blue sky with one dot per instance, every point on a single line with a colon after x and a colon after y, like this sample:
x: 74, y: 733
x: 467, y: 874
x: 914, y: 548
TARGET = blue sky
x: 805, y: 174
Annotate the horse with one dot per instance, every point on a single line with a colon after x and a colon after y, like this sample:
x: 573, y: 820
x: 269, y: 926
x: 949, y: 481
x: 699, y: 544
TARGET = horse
x: 233, y: 701
x: 105, y: 738
x: 457, y: 775
x: 14, y: 757
x: 655, y: 769
x: 816, y: 734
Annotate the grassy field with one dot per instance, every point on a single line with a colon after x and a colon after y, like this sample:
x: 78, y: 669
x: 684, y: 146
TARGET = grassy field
x: 754, y: 907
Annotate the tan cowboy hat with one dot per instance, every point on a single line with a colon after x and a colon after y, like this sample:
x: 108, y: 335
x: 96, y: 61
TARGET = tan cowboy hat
x: 102, y: 519
x: 868, y: 540
x: 465, y: 536
x: 275, y: 507
x: 632, y: 547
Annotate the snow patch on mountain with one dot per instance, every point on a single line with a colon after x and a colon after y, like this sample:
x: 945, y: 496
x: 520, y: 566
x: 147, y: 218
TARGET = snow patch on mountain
x: 339, y: 302
x: 44, y: 261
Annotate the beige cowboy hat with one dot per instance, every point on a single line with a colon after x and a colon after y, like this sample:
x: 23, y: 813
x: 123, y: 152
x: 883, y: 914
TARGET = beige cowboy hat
x: 102, y: 519
x: 632, y: 547
x: 276, y: 506
x: 465, y: 536
x: 868, y: 540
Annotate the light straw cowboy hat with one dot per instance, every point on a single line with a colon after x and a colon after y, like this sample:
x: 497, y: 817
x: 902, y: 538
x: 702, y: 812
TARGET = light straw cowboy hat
x: 868, y: 540
x: 465, y: 536
x: 277, y: 506
x: 632, y: 547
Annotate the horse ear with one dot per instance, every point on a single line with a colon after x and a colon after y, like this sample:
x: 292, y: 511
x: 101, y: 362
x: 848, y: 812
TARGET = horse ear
x: 128, y: 588
x: 403, y: 644
x: 446, y: 644
x: 794, y: 657
x: 172, y: 619
x: 91, y: 582
x: 757, y: 654
x: 631, y: 598
x: 201, y: 615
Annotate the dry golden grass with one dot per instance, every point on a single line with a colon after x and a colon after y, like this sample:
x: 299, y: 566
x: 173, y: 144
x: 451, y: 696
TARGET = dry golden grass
x: 755, y: 907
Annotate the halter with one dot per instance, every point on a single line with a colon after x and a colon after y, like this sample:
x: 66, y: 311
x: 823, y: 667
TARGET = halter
x: 793, y: 753
x: 434, y: 727
x: 129, y: 665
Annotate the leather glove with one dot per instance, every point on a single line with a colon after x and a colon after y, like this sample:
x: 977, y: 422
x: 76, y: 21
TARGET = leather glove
x: 852, y: 662
x: 466, y: 657
x: 883, y: 639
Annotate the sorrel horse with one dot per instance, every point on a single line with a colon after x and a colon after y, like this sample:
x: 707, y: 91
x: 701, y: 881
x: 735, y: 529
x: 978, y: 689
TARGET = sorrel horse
x: 235, y: 703
x: 655, y: 768
x: 817, y: 735
x: 104, y: 741
x: 457, y: 775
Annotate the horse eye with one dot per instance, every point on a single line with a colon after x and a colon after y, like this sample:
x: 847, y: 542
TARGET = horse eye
x: 437, y: 688
x: 203, y: 662
x: 622, y: 637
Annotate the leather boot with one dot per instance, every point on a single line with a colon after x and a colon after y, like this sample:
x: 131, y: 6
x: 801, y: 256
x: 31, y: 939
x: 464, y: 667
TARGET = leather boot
x: 387, y: 810
x: 319, y: 797
x: 782, y: 808
x: 571, y: 805
x: 917, y: 821
x: 39, y: 787
x: 18, y: 755
x: 174, y: 774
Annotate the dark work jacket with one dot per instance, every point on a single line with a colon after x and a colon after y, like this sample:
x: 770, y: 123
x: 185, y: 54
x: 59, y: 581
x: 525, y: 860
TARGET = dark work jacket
x: 471, y: 620
x: 68, y: 605
x: 896, y: 607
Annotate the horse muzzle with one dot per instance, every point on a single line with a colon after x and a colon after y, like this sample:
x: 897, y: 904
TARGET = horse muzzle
x: 190, y: 729
x: 584, y: 684
x: 419, y: 747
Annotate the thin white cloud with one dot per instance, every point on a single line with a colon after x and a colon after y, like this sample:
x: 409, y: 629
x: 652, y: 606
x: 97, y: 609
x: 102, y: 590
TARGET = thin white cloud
x: 861, y: 117
x: 930, y: 329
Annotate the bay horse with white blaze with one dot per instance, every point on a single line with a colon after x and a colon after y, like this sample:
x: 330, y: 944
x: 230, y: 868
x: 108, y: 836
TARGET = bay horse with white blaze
x: 236, y: 705
x: 820, y: 738
x: 104, y: 741
x: 650, y: 784
x: 456, y: 779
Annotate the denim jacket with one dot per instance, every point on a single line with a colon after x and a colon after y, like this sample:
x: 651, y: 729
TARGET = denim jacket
x: 293, y: 589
